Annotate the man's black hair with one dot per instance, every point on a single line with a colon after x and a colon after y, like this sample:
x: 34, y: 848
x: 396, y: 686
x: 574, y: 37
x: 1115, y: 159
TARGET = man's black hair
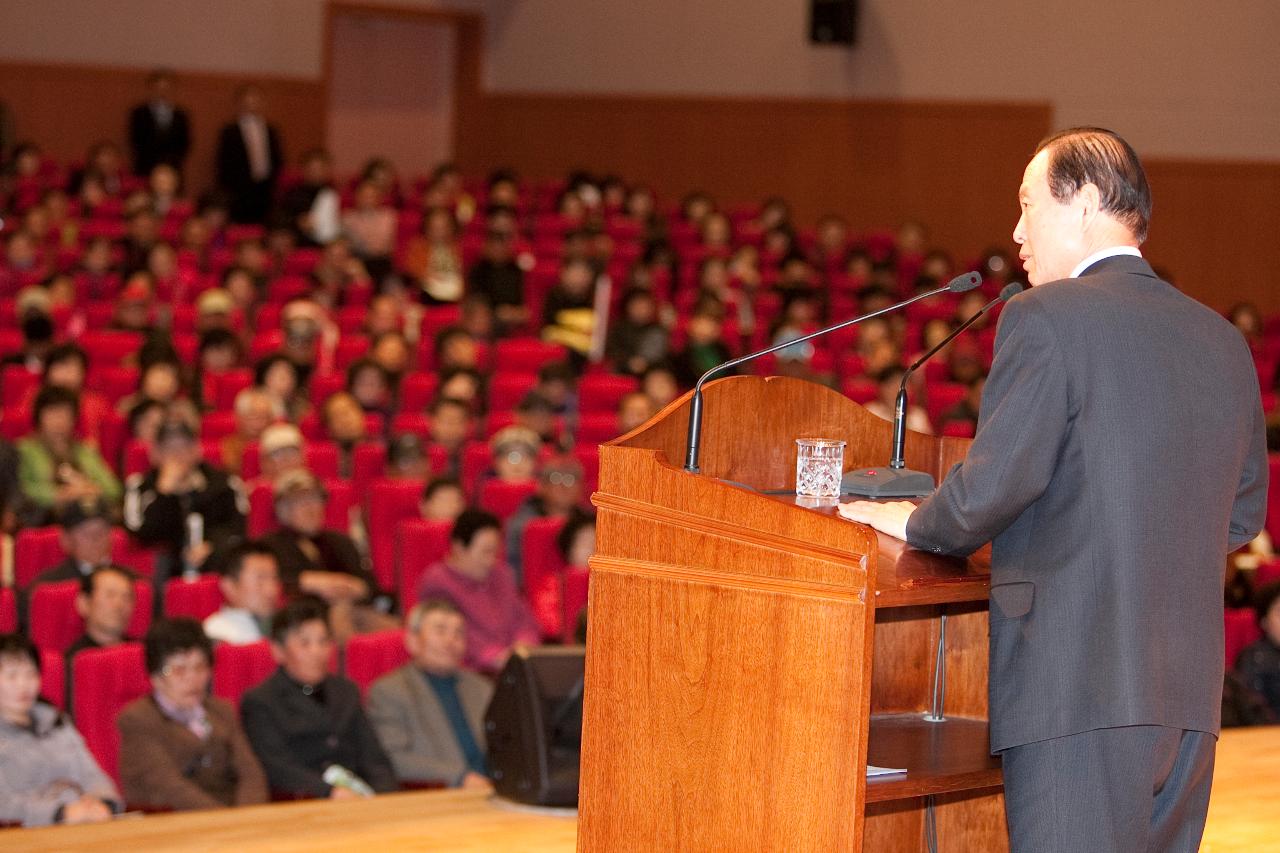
x: 435, y: 484
x: 52, y: 396
x: 168, y: 637
x: 471, y: 522
x: 295, y: 614
x: 1265, y: 598
x: 89, y: 581
x: 66, y: 352
x: 236, y: 557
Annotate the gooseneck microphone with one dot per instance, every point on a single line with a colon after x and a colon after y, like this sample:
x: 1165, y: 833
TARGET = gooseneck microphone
x: 960, y: 284
x: 899, y: 481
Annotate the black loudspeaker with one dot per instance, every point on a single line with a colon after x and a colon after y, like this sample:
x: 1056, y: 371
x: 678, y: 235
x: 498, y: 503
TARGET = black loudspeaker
x: 833, y: 21
x: 534, y: 726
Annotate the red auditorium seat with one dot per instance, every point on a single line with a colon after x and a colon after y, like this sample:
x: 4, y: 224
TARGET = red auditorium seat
x: 313, y: 430
x: 8, y: 611
x: 603, y: 393
x: 127, y: 552
x: 34, y: 550
x: 543, y: 571
x: 597, y: 427
x: 415, y: 422
x: 325, y: 385
x: 53, y: 678
x: 940, y: 398
x: 55, y: 624
x: 417, y: 390
x: 503, y: 498
x: 575, y: 585
x: 337, y: 508
x: 958, y: 429
x: 390, y: 502
x: 859, y: 390
x: 371, y: 656
x: 108, y: 346
x: 218, y: 425
x: 1241, y: 630
x: 527, y: 354
x: 238, y: 669
x: 115, y: 382
x: 1267, y: 573
x: 227, y: 385
x: 507, y: 387
x: 419, y: 544
x: 196, y: 599
x: 103, y: 681
x: 368, y: 463
x: 18, y: 383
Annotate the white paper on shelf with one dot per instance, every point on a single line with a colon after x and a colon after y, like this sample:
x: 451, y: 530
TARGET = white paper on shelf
x: 873, y: 771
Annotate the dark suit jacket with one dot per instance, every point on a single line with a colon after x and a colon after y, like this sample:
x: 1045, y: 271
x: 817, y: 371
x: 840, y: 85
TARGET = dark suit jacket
x: 412, y: 726
x: 337, y: 554
x: 162, y: 763
x: 296, y: 737
x: 153, y: 144
x: 232, y: 164
x: 1118, y: 458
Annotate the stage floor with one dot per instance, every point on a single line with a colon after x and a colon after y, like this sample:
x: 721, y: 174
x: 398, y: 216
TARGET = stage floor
x: 1244, y: 817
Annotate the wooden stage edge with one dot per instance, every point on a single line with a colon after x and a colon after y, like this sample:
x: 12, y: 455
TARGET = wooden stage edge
x: 1242, y: 817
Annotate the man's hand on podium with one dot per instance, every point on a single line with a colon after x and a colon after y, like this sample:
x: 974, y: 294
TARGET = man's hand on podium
x: 890, y: 517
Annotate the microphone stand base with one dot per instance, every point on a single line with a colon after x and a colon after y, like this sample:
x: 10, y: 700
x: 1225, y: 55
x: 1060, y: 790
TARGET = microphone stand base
x: 886, y: 483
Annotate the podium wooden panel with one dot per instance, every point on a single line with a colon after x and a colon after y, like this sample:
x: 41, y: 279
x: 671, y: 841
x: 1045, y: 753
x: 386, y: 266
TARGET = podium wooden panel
x: 747, y: 656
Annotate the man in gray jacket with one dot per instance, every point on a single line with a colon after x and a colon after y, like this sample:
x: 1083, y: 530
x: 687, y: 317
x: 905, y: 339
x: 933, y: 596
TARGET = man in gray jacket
x: 1119, y: 457
x: 429, y: 713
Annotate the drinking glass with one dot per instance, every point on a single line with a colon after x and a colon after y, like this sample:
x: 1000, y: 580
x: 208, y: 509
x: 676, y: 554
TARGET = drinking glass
x: 819, y: 464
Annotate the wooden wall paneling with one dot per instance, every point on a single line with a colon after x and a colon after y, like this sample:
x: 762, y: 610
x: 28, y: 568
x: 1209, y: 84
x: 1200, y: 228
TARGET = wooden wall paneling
x: 67, y: 108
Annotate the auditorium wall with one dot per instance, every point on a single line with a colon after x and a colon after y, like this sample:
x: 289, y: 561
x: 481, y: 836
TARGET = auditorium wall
x: 931, y: 115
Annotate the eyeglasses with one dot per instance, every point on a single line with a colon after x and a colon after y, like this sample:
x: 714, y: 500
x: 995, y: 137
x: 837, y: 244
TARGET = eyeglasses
x: 180, y: 670
x: 557, y: 478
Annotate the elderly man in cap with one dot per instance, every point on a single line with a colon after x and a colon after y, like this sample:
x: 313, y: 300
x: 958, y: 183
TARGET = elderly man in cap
x: 85, y: 539
x: 559, y: 495
x: 280, y: 451
x: 323, y: 562
x: 183, y: 503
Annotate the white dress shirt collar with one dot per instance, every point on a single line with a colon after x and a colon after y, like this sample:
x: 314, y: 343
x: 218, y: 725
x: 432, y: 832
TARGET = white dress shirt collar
x: 1102, y: 254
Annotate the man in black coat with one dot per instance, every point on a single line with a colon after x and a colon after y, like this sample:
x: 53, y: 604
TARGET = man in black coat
x: 159, y: 130
x: 184, y: 504
x: 249, y: 158
x: 302, y: 721
x: 1119, y: 457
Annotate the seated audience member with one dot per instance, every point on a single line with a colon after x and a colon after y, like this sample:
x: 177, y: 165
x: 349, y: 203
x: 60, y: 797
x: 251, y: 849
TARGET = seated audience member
x: 135, y: 304
x: 302, y: 721
x: 105, y: 603
x: 462, y: 383
x: 406, y: 458
x: 10, y: 494
x: 312, y: 207
x: 638, y: 340
x: 322, y: 562
x: 370, y: 384
x: 887, y: 383
x: 433, y: 260
x: 442, y: 500
x: 429, y: 713
x: 703, y: 349
x: 280, y: 451
x: 67, y: 366
x: 250, y: 585
x: 455, y: 347
x: 473, y: 576
x: 85, y: 539
x: 659, y: 384
x: 559, y: 495
x: 370, y: 225
x: 253, y: 414
x: 160, y: 380
x: 536, y: 413
x: 49, y: 774
x: 576, y: 543
x: 181, y: 748
x: 343, y: 421
x: 282, y: 381
x: 452, y: 424
x: 145, y: 420
x: 515, y: 454
x: 54, y: 467
x: 1259, y: 664
x: 568, y: 315
x: 392, y: 351
x: 634, y: 409
x: 498, y: 275
x: 183, y: 503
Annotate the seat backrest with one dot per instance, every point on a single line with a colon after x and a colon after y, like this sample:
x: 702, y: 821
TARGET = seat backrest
x: 371, y: 656
x: 504, y: 498
x: 390, y: 502
x: 55, y: 623
x: 103, y: 681
x: 543, y: 568
x: 196, y: 599
x: 416, y: 391
x: 1268, y: 572
x: 603, y: 393
x: 34, y: 550
x: 131, y: 554
x: 53, y: 678
x: 238, y: 669
x: 508, y: 387
x: 420, y: 543
x: 337, y: 508
x: 1241, y: 629
x: 8, y: 610
x: 1273, y: 499
x: 596, y: 427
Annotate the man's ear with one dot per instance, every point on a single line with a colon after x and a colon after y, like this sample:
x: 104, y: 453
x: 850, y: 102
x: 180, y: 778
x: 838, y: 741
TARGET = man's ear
x: 1089, y: 200
x: 82, y: 605
x: 277, y: 652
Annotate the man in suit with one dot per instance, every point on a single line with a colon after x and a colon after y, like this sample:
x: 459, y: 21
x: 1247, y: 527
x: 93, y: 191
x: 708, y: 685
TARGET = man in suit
x: 302, y: 720
x: 429, y: 713
x: 249, y: 159
x: 1119, y: 457
x: 159, y: 131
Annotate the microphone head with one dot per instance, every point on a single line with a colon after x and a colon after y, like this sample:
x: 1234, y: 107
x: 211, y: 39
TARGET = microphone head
x: 1011, y: 290
x: 962, y: 283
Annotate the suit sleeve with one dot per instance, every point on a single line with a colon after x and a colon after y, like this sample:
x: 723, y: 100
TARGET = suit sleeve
x: 391, y: 715
x: 1026, y: 412
x: 145, y: 765
x: 375, y: 767
x: 283, y: 772
x: 1249, y: 511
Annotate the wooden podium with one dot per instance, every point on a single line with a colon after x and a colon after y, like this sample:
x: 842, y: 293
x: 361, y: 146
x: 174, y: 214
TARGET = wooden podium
x: 747, y: 657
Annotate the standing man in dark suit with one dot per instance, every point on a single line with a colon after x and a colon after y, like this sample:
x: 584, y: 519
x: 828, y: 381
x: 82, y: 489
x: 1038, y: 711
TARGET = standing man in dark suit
x: 1119, y: 457
x: 249, y: 158
x: 159, y: 131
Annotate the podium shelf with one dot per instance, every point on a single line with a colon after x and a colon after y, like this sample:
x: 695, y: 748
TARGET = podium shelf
x: 940, y: 758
